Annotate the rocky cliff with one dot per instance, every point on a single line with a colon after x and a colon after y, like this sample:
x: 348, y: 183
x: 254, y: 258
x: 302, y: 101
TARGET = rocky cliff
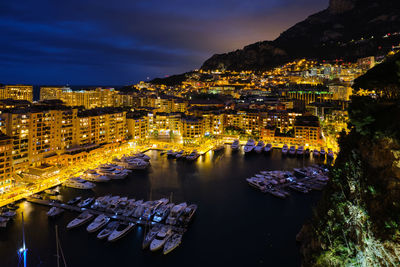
x: 348, y: 29
x: 357, y: 221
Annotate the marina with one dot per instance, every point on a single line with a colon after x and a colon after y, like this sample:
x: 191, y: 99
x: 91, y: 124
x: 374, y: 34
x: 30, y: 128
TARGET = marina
x: 219, y: 174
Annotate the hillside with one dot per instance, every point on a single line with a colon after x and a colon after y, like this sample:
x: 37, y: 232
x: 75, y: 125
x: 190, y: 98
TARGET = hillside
x: 347, y: 29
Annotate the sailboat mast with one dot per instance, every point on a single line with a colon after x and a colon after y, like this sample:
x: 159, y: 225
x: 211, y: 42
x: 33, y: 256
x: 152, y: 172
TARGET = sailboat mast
x: 23, y: 249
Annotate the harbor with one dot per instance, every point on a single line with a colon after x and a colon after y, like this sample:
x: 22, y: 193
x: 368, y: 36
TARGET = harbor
x: 214, y: 182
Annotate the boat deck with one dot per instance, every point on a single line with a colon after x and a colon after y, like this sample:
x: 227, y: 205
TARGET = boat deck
x: 121, y: 218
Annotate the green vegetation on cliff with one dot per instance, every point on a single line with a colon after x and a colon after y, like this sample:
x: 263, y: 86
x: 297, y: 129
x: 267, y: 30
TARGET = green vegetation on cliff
x: 357, y: 221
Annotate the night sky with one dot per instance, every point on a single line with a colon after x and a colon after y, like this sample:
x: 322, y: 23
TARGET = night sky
x: 118, y: 42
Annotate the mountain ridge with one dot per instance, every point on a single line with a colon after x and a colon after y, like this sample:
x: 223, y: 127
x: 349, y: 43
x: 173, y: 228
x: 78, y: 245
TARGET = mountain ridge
x: 347, y: 29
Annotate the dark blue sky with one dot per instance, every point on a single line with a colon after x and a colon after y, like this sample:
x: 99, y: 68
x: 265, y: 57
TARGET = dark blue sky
x: 121, y: 42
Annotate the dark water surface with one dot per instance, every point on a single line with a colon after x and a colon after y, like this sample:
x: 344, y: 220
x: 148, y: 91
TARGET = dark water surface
x: 235, y: 225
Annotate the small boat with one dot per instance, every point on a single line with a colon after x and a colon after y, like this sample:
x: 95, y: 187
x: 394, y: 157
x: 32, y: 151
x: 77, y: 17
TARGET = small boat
x: 74, y: 200
x: 235, y: 145
x: 108, y: 230
x: 284, y: 149
x: 8, y: 214
x: 193, y: 156
x: 173, y: 242
x: 171, y: 154
x: 160, y: 238
x: 162, y: 212
x: 54, y: 211
x: 219, y: 148
x: 307, y: 153
x: 330, y: 153
x: 292, y: 151
x: 249, y: 147
x: 300, y: 151
x: 81, y: 219
x: 98, y: 223
x: 120, y: 231
x: 259, y: 147
x: 52, y: 192
x: 85, y: 202
x: 150, y: 236
x: 268, y: 148
x: 4, y: 221
x: 12, y: 206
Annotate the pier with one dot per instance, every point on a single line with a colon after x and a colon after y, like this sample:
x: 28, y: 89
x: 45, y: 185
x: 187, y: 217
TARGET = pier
x: 121, y: 218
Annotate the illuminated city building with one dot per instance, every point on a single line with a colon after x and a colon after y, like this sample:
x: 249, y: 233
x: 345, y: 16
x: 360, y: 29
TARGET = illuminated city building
x: 17, y: 92
x: 6, y: 170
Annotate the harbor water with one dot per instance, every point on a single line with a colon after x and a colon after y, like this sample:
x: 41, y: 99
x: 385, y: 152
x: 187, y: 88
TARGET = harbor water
x: 235, y: 225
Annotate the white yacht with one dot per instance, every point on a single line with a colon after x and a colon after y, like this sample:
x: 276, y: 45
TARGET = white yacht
x: 235, y: 145
x: 54, y: 211
x: 268, y: 148
x: 259, y: 147
x: 79, y: 183
x: 175, y: 213
x: 142, y: 156
x: 193, y: 156
x: 85, y: 202
x: 98, y: 223
x: 93, y: 176
x: 250, y: 145
x: 285, y: 149
x: 173, y: 242
x: 120, y: 231
x: 160, y: 239
x: 162, y: 212
x: 150, y: 236
x: 81, y: 219
x: 107, y: 230
x: 111, y: 172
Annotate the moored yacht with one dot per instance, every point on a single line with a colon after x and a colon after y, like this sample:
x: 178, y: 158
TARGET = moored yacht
x: 268, y: 148
x: 54, y: 211
x: 285, y: 149
x: 300, y: 151
x: 162, y: 212
x: 171, y: 154
x: 160, y: 239
x: 150, y: 236
x: 235, y: 145
x: 330, y: 153
x: 142, y: 156
x: 79, y: 183
x: 179, y: 155
x: 120, y: 231
x: 81, y: 219
x: 322, y: 153
x: 98, y: 223
x: 292, y: 151
x: 259, y: 147
x: 249, y: 147
x: 85, y: 202
x: 193, y: 156
x: 93, y: 176
x: 315, y: 153
x: 173, y: 242
x: 107, y: 230
x: 187, y: 214
x: 175, y: 213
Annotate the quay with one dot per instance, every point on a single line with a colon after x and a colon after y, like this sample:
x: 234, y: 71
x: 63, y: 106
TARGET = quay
x: 121, y: 218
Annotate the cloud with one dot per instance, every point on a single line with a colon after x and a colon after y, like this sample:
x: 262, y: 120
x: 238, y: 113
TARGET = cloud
x: 118, y: 42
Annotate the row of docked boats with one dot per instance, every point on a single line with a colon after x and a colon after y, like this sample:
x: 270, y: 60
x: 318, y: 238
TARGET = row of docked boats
x: 179, y: 155
x: 300, y: 179
x: 252, y: 146
x: 300, y: 152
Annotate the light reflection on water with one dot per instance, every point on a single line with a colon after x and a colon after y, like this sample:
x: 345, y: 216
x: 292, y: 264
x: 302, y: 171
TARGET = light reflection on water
x: 235, y: 224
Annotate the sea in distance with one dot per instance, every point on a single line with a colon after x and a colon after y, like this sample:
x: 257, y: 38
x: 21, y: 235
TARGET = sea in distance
x: 235, y: 225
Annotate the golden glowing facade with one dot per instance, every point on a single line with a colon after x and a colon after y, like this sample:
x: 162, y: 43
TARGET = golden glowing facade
x: 17, y: 92
x: 6, y: 170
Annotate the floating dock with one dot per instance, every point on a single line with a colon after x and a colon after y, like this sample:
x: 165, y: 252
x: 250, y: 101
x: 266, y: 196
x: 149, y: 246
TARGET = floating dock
x: 121, y: 218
